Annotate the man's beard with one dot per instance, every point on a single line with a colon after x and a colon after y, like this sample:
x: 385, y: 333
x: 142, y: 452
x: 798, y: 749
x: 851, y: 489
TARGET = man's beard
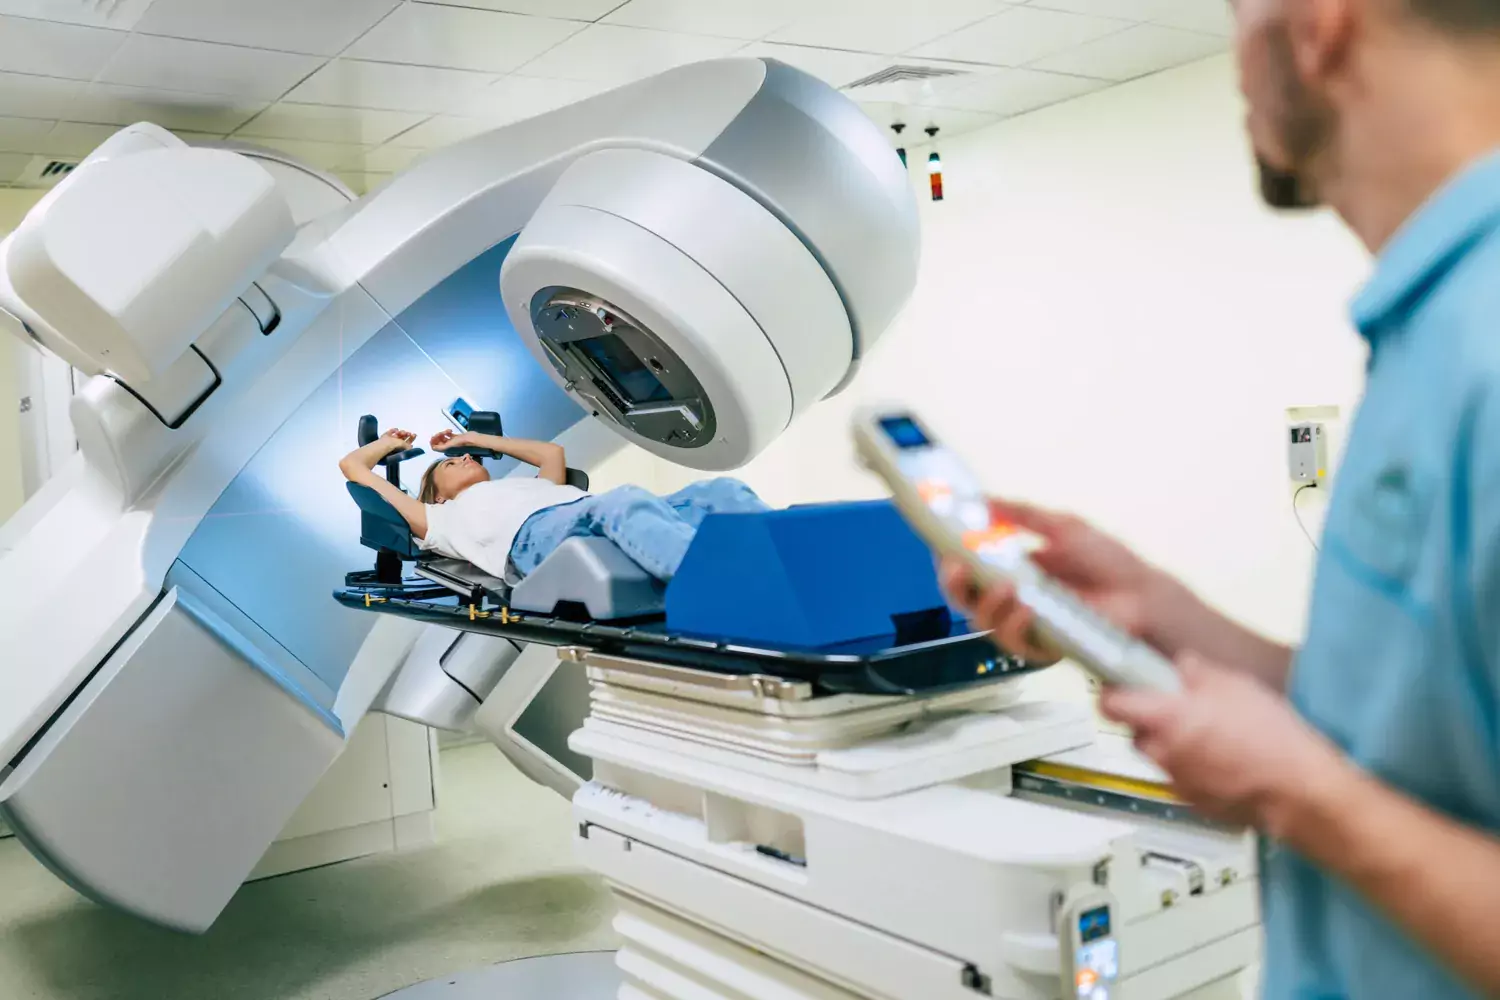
x: 1285, y: 189
x: 1306, y: 125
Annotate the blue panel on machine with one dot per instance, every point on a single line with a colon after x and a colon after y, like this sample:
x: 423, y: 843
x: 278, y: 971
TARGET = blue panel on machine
x: 806, y: 578
x: 283, y: 534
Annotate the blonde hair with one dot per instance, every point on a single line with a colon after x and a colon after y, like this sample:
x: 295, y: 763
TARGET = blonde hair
x: 429, y: 491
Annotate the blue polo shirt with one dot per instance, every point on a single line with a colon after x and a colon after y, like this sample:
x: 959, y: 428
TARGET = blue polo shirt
x: 1401, y: 665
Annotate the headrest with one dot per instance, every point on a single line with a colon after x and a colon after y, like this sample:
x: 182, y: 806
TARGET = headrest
x: 485, y: 422
x: 480, y: 422
x: 371, y: 502
x: 381, y: 525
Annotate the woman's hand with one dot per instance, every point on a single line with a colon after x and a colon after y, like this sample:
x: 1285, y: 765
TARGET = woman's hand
x: 358, y: 463
x: 395, y: 440
x: 445, y: 439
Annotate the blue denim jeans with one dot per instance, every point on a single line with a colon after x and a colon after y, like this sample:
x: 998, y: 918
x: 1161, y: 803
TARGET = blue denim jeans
x: 654, y: 531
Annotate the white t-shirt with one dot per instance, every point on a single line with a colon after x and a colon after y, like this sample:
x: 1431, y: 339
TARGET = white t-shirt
x: 480, y: 524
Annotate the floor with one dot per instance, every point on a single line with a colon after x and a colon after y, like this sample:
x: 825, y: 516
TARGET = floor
x: 501, y: 884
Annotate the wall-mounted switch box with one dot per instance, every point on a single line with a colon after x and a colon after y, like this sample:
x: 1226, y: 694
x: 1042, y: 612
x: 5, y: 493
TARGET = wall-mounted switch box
x: 1307, y: 452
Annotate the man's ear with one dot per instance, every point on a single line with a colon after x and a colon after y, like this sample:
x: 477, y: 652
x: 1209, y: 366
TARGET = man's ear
x: 1322, y: 34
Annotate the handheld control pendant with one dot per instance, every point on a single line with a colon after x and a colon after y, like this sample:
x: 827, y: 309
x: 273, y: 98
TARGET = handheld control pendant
x: 943, y: 501
x: 1089, y: 949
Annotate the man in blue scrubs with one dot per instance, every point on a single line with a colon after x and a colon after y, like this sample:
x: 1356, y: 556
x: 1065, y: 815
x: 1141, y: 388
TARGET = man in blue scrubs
x: 1369, y: 760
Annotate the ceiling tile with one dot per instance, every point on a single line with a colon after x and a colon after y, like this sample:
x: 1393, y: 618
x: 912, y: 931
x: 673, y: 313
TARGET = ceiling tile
x: 49, y: 49
x: 197, y: 138
x: 513, y: 98
x: 323, y: 155
x: 441, y: 130
x: 611, y: 54
x: 363, y: 183
x: 1007, y: 91
x: 385, y: 160
x: 461, y: 38
x: 36, y: 96
x: 1129, y: 10
x: 323, y: 27
x: 206, y: 67
x: 1213, y: 18
x: 948, y: 120
x: 74, y: 140
x: 361, y: 126
x: 11, y: 165
x: 360, y: 84
x: 888, y: 27
x: 728, y: 18
x: 111, y: 104
x: 574, y: 10
x: 832, y: 66
x: 1021, y: 35
x: 121, y: 15
x: 1136, y: 52
x: 23, y: 135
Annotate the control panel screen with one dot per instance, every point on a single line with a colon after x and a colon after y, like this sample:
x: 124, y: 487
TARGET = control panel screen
x: 1097, y: 962
x: 459, y: 412
x: 904, y: 432
x: 629, y: 376
x: 1098, y: 966
x: 1094, y: 924
x: 947, y: 487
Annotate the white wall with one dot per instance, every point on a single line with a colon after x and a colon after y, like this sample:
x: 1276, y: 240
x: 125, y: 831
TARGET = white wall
x: 1107, y: 320
x: 14, y: 204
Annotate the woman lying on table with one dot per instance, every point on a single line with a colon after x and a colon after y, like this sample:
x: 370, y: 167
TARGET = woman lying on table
x: 507, y: 526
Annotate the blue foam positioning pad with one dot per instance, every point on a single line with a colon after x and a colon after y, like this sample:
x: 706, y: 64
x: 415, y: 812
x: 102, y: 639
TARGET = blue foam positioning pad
x: 807, y: 577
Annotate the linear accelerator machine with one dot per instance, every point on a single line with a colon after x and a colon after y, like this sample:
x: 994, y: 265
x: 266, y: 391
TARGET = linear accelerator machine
x: 177, y: 678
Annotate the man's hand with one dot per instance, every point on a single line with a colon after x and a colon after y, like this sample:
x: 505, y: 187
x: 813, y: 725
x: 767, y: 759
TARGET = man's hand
x: 1130, y: 592
x: 1234, y: 749
x: 445, y: 439
x: 1106, y: 574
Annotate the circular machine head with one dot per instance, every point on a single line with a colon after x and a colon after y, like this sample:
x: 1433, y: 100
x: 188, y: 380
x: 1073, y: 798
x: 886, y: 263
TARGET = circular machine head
x: 674, y: 307
x: 618, y: 358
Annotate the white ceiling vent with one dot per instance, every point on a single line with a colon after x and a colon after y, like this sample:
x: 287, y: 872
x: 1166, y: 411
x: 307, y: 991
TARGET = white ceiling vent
x: 903, y: 74
x: 44, y: 171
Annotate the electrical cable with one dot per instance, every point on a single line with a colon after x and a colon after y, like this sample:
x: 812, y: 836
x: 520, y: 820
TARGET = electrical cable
x: 1297, y: 513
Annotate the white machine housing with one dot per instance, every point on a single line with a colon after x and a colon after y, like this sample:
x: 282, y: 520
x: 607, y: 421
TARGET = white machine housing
x: 177, y: 678
x: 767, y: 842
